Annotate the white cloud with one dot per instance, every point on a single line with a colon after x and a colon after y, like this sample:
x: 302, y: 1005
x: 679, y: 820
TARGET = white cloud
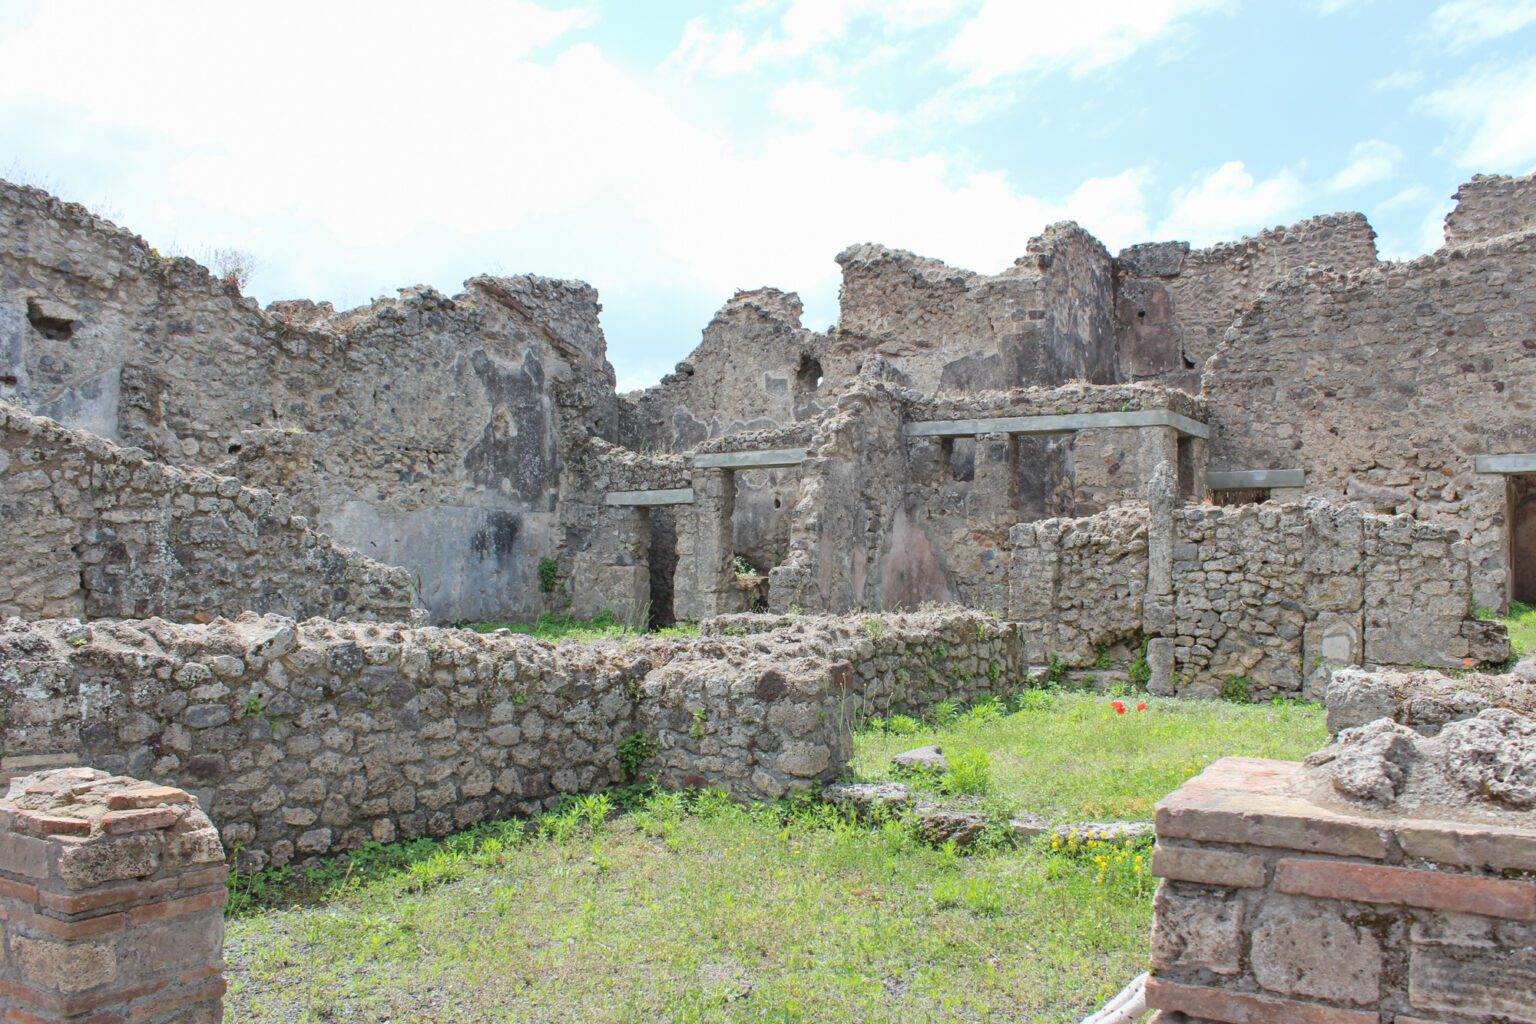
x: 1402, y: 78
x: 1463, y: 23
x: 803, y: 27
x: 1370, y: 162
x: 1009, y: 37
x: 1491, y: 111
x: 1335, y: 6
x: 1229, y: 202
x: 1407, y: 197
x: 514, y: 147
x: 826, y: 117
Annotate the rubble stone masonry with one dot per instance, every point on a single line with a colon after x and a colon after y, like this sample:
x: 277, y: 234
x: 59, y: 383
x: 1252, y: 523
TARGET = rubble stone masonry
x: 1271, y: 596
x: 1385, y: 385
x: 93, y: 529
x: 308, y: 738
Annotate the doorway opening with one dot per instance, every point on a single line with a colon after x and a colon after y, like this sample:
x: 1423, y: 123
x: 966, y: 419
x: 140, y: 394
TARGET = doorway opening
x: 1522, y: 537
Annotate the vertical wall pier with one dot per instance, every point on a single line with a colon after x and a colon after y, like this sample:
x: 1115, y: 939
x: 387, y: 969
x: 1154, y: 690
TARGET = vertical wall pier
x: 111, y: 897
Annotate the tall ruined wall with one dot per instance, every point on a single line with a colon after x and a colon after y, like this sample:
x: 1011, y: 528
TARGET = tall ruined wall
x: 850, y: 510
x: 1385, y: 384
x: 887, y: 521
x: 1173, y: 305
x: 422, y: 430
x: 1491, y: 205
x: 756, y: 368
x: 96, y: 530
x: 302, y: 739
x: 1268, y: 597
x: 1045, y: 320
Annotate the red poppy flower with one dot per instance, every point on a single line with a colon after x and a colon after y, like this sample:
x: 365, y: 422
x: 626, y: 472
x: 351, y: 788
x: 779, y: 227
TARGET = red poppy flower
x: 1118, y: 705
x: 1142, y: 706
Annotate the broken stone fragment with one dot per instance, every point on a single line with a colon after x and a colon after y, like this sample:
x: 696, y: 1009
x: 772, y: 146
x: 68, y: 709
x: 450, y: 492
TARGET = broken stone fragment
x: 1493, y: 756
x: 865, y: 798
x: 1105, y: 831
x: 938, y: 825
x: 1486, y: 762
x: 929, y: 758
x: 1371, y: 762
x: 1025, y: 827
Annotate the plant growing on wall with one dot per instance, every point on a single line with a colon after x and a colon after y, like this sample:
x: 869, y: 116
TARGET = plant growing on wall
x: 634, y: 751
x: 549, y: 571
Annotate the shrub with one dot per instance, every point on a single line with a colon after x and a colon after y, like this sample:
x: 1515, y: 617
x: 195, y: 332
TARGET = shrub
x: 970, y: 774
x: 1237, y: 689
x: 1140, y: 673
x: 636, y: 749
x: 549, y: 571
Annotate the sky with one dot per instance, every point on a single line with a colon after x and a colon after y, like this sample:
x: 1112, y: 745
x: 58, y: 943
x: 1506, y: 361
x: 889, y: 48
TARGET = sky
x: 671, y: 153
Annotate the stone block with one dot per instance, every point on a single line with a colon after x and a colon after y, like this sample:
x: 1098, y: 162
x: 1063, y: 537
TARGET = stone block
x: 1197, y: 932
x: 1474, y: 981
x: 1234, y: 1007
x: 1435, y: 890
x: 1307, y: 948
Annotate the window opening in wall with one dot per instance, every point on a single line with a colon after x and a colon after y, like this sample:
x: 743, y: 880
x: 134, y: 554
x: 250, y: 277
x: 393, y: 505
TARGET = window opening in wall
x: 1522, y: 537
x: 808, y: 376
x: 960, y: 456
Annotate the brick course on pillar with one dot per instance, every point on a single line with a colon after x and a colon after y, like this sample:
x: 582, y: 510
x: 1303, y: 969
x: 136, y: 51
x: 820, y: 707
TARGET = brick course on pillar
x: 111, y: 897
x: 1276, y: 908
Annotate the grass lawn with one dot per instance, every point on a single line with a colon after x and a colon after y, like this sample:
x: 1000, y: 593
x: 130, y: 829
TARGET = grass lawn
x: 692, y: 909
x: 1521, y: 621
x: 563, y: 629
x: 1069, y: 756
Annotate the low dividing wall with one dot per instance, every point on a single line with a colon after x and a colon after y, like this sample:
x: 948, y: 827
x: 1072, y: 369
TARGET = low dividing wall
x: 1272, y: 595
x: 303, y: 739
x: 100, y: 531
x: 1277, y: 907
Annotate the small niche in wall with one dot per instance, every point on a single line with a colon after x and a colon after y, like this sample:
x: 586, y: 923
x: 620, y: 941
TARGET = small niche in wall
x: 52, y: 320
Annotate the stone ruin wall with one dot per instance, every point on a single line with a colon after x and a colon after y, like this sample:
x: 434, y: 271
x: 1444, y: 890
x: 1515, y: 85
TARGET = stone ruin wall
x: 307, y: 738
x: 928, y: 325
x: 422, y: 431
x: 1386, y: 384
x: 884, y: 522
x: 1173, y: 305
x: 345, y: 413
x: 1275, y: 595
x: 101, y: 531
x: 1045, y: 320
x: 1491, y: 205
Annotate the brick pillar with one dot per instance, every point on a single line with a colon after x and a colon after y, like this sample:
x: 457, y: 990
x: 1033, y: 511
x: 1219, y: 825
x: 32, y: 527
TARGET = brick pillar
x: 706, y: 583
x: 1276, y: 908
x: 111, y: 892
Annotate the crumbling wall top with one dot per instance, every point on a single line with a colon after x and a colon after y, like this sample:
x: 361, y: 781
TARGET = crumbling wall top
x: 1491, y: 205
